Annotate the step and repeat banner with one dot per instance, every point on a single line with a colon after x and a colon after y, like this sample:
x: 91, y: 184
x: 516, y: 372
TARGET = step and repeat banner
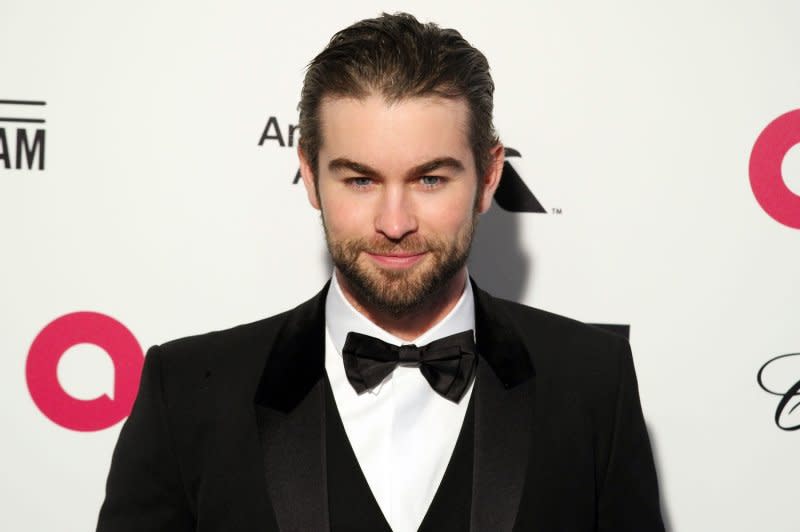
x: 149, y: 190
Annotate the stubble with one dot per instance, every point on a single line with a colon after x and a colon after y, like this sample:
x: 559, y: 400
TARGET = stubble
x: 400, y: 292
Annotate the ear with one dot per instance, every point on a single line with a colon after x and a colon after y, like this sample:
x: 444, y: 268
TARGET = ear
x: 492, y: 178
x: 307, y: 173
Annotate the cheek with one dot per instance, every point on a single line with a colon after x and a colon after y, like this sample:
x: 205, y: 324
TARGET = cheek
x: 448, y: 219
x: 343, y: 217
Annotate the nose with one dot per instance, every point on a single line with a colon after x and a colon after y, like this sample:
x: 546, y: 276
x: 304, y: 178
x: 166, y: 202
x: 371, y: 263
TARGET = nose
x: 395, y: 217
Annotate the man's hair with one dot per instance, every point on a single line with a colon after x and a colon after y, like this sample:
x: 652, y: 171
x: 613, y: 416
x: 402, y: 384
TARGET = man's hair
x: 398, y: 57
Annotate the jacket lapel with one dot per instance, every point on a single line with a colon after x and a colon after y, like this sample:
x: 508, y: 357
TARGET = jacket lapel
x: 290, y: 413
x: 504, y: 393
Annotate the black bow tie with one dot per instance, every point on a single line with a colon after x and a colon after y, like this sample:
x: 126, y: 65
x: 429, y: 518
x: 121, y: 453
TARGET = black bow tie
x: 447, y: 364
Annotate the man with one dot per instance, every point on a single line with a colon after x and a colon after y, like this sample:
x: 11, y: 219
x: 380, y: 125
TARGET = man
x: 402, y: 397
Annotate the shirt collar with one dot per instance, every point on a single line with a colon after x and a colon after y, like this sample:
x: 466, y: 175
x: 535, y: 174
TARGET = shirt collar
x: 341, y: 318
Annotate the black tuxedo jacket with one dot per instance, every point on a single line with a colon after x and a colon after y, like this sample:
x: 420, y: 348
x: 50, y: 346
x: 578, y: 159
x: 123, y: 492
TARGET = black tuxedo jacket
x: 227, y: 432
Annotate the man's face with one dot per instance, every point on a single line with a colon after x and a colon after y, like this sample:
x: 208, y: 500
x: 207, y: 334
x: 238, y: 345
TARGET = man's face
x: 397, y: 189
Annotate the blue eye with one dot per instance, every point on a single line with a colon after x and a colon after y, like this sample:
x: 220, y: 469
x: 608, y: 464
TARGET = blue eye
x: 430, y: 180
x: 360, y: 182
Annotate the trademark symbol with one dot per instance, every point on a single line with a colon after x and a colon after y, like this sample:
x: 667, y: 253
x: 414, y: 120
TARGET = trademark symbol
x: 556, y: 210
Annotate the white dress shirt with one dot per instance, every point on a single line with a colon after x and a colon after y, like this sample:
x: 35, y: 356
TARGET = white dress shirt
x: 402, y: 432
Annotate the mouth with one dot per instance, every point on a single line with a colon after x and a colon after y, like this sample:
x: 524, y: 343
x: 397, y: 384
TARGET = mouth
x: 396, y: 260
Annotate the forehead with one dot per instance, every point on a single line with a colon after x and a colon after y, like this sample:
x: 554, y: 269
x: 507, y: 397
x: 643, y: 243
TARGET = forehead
x: 394, y: 135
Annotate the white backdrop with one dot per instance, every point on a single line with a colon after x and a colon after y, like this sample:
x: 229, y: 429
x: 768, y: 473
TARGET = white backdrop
x: 158, y: 208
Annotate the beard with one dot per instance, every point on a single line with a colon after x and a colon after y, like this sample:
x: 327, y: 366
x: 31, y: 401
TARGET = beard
x: 400, y: 292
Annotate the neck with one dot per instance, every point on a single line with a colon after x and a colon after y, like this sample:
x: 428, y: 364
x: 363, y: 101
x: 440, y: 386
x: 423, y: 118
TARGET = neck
x: 414, y: 324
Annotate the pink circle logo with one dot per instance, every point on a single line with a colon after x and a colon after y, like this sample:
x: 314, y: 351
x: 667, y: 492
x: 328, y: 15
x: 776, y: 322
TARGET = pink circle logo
x: 769, y: 187
x: 42, y: 365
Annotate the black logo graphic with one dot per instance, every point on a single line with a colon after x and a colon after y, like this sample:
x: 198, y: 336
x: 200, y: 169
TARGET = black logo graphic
x: 21, y: 146
x: 513, y: 194
x: 770, y: 372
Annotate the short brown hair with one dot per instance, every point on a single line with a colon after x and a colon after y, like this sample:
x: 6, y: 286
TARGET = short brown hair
x: 399, y: 57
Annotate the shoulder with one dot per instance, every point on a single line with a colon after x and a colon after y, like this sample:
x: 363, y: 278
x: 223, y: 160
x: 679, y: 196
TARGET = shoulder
x: 235, y: 356
x: 549, y: 324
x: 574, y: 363
x: 239, y: 339
x: 562, y: 346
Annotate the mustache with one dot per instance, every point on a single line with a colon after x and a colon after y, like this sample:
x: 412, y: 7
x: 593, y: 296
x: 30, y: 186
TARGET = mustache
x: 412, y: 244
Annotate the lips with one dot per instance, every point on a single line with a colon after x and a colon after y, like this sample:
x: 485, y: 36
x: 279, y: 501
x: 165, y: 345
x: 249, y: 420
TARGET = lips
x: 396, y: 260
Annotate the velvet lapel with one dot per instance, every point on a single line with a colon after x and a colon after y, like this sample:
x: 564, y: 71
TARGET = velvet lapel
x: 290, y: 412
x: 504, y: 392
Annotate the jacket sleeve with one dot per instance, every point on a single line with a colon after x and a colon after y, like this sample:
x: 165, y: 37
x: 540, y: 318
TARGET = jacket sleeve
x: 144, y: 490
x: 629, y: 499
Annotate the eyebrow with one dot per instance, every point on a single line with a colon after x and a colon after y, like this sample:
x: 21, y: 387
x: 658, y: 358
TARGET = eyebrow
x: 343, y: 163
